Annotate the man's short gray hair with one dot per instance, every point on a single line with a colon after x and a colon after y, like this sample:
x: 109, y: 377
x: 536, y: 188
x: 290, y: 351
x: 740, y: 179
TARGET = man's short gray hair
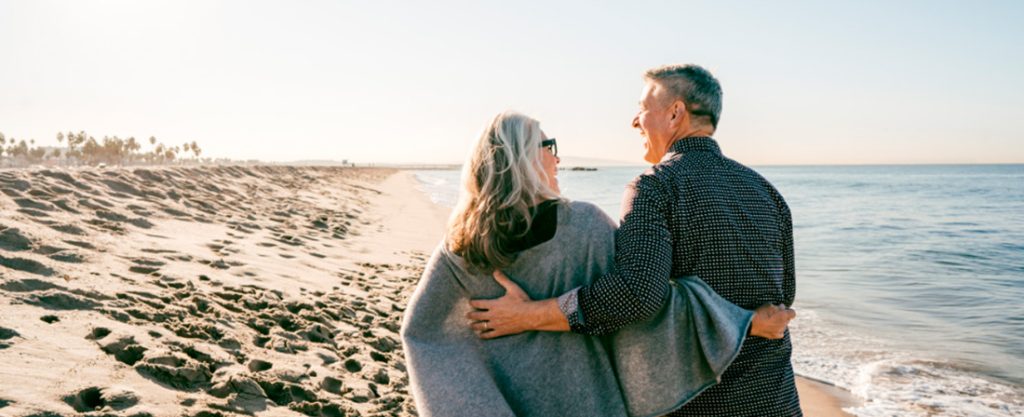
x: 694, y: 85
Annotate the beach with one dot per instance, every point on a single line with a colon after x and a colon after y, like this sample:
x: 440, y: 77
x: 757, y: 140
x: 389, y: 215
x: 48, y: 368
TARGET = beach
x: 207, y: 291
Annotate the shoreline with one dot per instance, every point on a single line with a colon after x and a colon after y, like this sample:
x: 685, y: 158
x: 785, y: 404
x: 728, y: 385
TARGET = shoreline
x: 818, y: 399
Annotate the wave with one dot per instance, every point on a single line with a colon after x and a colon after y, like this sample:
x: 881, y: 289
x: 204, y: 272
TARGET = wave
x: 891, y: 382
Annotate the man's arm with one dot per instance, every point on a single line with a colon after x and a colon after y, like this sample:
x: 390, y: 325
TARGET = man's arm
x: 788, y: 266
x: 637, y: 286
x: 635, y: 289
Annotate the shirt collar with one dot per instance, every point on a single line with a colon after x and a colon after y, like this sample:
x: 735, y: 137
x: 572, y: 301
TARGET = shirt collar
x: 693, y: 144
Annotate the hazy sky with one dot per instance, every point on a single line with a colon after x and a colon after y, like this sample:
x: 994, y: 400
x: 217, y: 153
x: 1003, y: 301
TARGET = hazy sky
x: 415, y: 81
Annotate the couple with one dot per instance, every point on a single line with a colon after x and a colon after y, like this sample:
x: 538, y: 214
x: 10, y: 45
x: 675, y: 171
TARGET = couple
x: 682, y: 310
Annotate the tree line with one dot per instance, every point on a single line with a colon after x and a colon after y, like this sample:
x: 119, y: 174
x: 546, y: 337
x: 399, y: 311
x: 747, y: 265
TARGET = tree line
x: 83, y: 149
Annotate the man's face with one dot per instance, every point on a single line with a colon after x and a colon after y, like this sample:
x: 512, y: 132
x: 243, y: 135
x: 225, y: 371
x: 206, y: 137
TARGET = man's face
x: 654, y: 121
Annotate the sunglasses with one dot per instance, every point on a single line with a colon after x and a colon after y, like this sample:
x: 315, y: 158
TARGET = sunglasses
x: 550, y: 143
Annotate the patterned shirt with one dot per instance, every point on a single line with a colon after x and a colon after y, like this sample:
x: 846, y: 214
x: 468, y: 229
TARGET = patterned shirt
x: 698, y: 212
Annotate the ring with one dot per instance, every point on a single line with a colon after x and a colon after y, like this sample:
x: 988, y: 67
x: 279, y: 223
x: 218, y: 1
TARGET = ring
x: 486, y: 327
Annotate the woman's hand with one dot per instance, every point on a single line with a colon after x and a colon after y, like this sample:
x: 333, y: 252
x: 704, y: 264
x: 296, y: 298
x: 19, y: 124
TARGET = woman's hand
x: 514, y: 313
x: 770, y: 321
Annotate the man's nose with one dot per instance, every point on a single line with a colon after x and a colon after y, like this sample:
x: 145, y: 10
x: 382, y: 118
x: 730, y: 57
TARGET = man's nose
x: 636, y: 122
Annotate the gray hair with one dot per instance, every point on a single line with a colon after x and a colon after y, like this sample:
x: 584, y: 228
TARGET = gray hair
x: 501, y: 180
x: 698, y: 89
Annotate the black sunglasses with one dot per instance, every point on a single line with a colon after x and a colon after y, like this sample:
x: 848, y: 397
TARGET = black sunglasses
x: 550, y: 143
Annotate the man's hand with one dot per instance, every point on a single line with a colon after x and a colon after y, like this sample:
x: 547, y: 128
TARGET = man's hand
x: 770, y: 321
x: 514, y: 313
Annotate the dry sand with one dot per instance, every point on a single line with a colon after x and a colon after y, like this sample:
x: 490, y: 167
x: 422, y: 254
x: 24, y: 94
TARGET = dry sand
x: 214, y: 291
x: 202, y: 292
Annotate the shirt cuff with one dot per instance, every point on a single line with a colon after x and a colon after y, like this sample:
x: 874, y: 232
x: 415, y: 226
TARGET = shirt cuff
x: 569, y: 303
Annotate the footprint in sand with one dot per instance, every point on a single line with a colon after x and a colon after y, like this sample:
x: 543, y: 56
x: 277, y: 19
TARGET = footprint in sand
x: 81, y: 244
x: 125, y: 350
x: 353, y: 365
x: 257, y: 365
x: 14, y: 240
x: 26, y: 265
x: 6, y: 335
x: 331, y: 385
x: 146, y: 266
x: 98, y: 333
x: 95, y: 398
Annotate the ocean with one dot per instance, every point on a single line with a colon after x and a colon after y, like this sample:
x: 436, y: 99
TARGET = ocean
x: 910, y: 279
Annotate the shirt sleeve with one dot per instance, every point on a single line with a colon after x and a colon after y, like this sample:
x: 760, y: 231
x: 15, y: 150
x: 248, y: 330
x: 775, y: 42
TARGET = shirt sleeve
x: 788, y: 266
x: 637, y: 286
x: 569, y: 303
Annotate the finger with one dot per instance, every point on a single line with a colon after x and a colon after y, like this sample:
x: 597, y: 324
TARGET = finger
x: 493, y: 333
x: 481, y: 330
x: 476, y: 316
x: 510, y: 286
x: 768, y: 310
x: 786, y: 314
x: 481, y: 304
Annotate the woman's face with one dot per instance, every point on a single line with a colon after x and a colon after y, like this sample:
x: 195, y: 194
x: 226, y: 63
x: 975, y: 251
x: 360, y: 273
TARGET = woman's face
x: 549, y: 163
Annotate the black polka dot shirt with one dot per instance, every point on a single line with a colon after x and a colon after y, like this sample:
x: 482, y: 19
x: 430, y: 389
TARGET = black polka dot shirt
x: 698, y: 212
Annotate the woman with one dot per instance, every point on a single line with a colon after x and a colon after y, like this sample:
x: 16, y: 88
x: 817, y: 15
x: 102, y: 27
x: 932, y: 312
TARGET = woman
x: 511, y: 217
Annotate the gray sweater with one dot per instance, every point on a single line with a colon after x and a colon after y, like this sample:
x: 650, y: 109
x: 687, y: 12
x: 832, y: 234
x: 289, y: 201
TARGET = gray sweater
x: 645, y: 369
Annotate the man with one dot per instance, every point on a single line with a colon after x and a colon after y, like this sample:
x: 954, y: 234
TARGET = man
x: 694, y: 212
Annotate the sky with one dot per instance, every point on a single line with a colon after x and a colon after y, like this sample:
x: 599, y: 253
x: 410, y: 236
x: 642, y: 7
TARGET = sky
x: 866, y: 82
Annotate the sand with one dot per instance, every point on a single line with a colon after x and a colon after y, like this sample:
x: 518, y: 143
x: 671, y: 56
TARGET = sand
x: 214, y: 291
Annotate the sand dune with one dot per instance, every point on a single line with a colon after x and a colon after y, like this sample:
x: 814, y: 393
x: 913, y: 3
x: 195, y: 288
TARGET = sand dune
x: 201, y: 292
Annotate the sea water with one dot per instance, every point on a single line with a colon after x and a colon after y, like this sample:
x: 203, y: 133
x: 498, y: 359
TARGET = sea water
x: 910, y: 279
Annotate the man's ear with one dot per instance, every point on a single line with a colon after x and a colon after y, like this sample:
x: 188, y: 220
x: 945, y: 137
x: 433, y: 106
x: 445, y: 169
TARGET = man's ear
x: 679, y: 112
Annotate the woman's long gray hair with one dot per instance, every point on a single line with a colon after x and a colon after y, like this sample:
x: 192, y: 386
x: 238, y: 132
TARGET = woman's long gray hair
x: 501, y: 180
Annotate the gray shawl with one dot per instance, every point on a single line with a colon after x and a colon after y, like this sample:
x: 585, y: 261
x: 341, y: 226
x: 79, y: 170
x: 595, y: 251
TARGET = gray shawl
x: 646, y: 369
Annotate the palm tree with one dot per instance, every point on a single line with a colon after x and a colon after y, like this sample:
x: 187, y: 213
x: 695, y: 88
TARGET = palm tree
x: 159, y: 153
x: 132, y: 146
x: 56, y: 152
x: 73, y: 141
x: 36, y: 154
x: 20, y: 150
